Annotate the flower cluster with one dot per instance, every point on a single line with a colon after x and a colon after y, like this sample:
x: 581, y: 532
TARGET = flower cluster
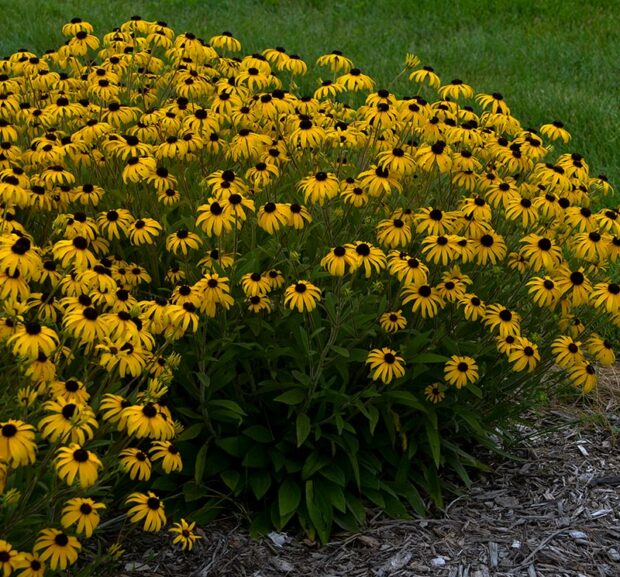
x: 156, y: 190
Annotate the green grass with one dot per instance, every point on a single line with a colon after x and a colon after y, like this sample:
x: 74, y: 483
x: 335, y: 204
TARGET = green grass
x: 552, y: 59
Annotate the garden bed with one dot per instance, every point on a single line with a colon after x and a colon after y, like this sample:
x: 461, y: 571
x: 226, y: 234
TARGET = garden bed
x: 555, y: 512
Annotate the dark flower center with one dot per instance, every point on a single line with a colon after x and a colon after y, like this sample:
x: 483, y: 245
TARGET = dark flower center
x: 340, y: 251
x: 153, y: 503
x: 362, y: 249
x: 424, y: 291
x: 149, y: 411
x: 544, y: 244
x: 9, y: 430
x: 61, y: 540
x: 86, y: 509
x: 528, y: 351
x: 81, y: 455
x: 577, y: 278
x: 300, y: 287
x: 463, y: 367
x: 72, y: 386
x: 389, y: 358
x: 33, y: 328
x: 573, y: 348
x: 505, y: 315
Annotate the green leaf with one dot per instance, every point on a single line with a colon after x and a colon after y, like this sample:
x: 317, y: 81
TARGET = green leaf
x: 341, y: 351
x: 231, y: 478
x: 201, y: 461
x: 292, y: 397
x: 289, y: 497
x: 259, y: 433
x: 428, y: 358
x: 256, y: 457
x: 320, y: 512
x: 191, y: 432
x: 314, y: 463
x: 474, y: 389
x: 260, y: 481
x: 432, y: 434
x: 302, y: 426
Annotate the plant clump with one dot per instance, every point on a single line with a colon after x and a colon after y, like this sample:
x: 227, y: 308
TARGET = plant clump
x: 217, y: 288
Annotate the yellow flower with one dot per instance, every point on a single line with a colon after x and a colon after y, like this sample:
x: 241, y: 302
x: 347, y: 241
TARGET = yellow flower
x: 302, y: 296
x: 184, y: 534
x: 385, y: 364
x: 149, y: 509
x: 459, y: 371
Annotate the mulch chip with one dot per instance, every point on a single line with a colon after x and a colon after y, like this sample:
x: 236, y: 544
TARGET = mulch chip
x: 553, y: 513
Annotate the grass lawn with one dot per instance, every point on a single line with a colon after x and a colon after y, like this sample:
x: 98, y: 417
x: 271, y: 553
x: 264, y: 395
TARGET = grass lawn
x: 552, y: 59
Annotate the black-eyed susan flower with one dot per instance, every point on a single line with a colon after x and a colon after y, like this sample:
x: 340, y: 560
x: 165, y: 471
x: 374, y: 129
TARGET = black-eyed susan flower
x: 149, y: 509
x: 498, y: 317
x: 435, y: 393
x: 337, y: 260
x: 168, y: 454
x: 459, y: 371
x: 83, y: 513
x: 259, y: 303
x: 320, y: 187
x: 355, y: 80
x: 392, y: 322
x: 275, y: 277
x: 31, y: 565
x: 567, y: 352
x: 272, y: 216
x: 393, y: 233
x: 555, y: 131
x: 8, y: 558
x: 302, y: 295
x: 490, y: 247
x: 144, y: 231
x: 57, y: 548
x: 298, y: 216
x: 17, y: 443
x: 524, y: 355
x: 427, y: 75
x: 136, y: 463
x: 148, y: 420
x: 423, y: 298
x: 385, y: 364
x: 67, y: 421
x: 31, y: 339
x: 369, y: 257
x: 441, y: 249
x: 541, y: 252
x: 544, y: 291
x: 213, y: 219
x: 583, y: 375
x: 602, y: 350
x: 407, y: 269
x: 573, y: 285
x: 182, y: 241
x: 74, y: 252
x: 74, y: 462
x: 184, y: 535
x: 606, y: 295
x: 438, y: 155
x: 255, y: 284
x: 473, y: 307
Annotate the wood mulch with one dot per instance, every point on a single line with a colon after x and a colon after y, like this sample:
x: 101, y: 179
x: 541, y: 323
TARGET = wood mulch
x: 553, y: 513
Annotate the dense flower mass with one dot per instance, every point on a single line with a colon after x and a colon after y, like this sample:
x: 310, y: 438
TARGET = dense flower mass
x: 185, y: 234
